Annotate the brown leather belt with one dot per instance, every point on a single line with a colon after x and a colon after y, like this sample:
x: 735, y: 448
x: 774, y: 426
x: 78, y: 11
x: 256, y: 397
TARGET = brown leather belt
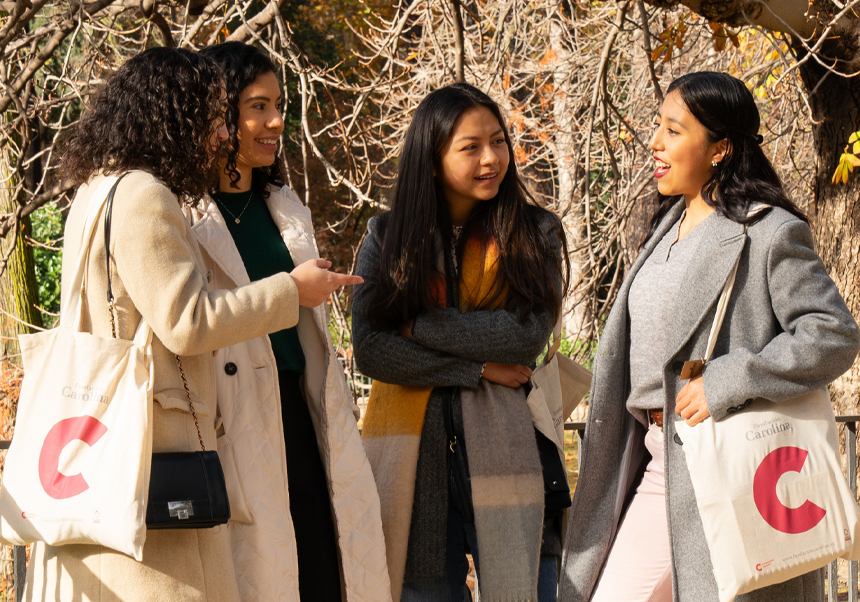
x: 656, y: 417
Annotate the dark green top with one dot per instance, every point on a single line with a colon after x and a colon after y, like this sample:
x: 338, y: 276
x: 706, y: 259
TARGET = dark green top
x: 264, y: 254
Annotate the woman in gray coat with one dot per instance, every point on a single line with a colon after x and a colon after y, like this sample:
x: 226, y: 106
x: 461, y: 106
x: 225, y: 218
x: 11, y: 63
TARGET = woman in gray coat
x: 635, y: 533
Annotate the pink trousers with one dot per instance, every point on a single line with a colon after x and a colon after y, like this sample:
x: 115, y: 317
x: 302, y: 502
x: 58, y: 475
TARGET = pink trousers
x: 639, y: 565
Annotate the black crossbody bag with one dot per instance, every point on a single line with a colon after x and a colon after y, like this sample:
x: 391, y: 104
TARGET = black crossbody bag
x: 187, y: 490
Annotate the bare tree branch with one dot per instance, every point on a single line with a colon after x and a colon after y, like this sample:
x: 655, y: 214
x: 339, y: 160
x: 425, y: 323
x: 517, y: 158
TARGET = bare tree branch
x: 458, y: 41
x: 264, y: 18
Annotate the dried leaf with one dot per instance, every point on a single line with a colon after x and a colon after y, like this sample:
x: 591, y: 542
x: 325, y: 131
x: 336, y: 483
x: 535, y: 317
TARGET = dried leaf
x: 668, y: 55
x: 549, y: 58
x: 841, y: 173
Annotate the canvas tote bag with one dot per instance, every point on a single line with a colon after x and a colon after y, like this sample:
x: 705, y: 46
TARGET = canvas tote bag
x: 77, y: 470
x: 558, y: 385
x: 769, y: 487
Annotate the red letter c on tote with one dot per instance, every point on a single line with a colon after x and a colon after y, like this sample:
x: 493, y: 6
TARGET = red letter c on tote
x: 56, y: 484
x: 775, y: 513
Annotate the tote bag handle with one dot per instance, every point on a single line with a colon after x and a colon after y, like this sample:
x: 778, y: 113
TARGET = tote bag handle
x: 722, y: 304
x: 71, y: 299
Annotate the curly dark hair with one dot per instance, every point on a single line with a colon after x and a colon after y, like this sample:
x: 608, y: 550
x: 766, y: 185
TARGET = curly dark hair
x: 157, y: 113
x: 242, y: 64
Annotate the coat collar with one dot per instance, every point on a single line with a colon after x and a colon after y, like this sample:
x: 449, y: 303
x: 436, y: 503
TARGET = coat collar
x: 704, y: 280
x: 293, y: 220
x: 702, y: 283
x: 212, y: 234
x: 291, y: 217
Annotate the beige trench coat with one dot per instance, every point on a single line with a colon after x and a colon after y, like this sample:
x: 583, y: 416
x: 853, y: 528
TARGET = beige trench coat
x: 158, y: 273
x: 251, y: 444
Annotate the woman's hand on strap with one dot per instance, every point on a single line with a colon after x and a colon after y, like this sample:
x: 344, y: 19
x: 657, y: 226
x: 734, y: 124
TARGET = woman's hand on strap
x: 509, y: 375
x: 315, y: 282
x: 690, y: 403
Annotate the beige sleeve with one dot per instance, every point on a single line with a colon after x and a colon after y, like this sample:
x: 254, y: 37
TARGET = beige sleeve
x: 158, y: 266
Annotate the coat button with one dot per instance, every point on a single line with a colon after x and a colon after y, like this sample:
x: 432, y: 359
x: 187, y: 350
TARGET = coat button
x: 677, y: 439
x: 677, y: 366
x: 230, y: 368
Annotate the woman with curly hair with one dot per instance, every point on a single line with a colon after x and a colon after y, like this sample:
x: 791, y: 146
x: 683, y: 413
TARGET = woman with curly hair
x: 309, y: 505
x: 158, y: 120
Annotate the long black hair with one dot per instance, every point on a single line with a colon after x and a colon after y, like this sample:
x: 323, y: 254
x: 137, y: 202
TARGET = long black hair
x: 419, y: 216
x: 242, y: 64
x: 726, y: 108
x: 156, y: 113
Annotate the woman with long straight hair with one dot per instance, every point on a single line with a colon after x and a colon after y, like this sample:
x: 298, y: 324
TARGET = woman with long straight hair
x: 635, y: 532
x: 305, y: 504
x: 465, y: 278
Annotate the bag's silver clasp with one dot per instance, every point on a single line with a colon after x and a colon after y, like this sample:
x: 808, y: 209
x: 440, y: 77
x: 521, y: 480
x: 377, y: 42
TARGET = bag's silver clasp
x: 181, y: 510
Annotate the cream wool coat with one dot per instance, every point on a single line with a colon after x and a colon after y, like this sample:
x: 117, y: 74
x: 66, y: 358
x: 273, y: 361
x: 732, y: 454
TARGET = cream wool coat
x: 158, y: 273
x: 251, y: 444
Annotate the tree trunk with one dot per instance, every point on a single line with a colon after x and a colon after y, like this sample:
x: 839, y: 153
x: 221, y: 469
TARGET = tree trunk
x: 19, y: 292
x: 835, y: 213
x: 645, y: 205
x: 577, y: 317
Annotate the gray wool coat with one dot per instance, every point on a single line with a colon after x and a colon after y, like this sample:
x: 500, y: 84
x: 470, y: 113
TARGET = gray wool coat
x: 787, y: 331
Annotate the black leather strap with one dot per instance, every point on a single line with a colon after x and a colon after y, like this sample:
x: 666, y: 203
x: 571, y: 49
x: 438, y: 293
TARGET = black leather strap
x: 108, y: 213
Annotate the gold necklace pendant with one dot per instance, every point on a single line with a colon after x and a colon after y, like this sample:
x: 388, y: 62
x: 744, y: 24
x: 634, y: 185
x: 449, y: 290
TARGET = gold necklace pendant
x: 241, y: 213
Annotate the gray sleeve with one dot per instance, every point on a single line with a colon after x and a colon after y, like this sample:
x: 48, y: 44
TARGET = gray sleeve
x: 391, y: 358
x: 485, y: 336
x: 493, y: 336
x: 820, y: 338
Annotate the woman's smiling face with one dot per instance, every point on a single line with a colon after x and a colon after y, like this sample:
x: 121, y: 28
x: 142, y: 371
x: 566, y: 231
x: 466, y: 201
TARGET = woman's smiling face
x: 474, y: 161
x: 260, y: 122
x: 682, y: 150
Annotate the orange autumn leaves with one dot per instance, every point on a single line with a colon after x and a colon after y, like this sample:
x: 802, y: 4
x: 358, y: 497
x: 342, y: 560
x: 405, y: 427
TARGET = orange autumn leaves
x: 673, y: 37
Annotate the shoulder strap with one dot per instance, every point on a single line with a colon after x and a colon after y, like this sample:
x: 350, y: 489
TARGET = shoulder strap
x: 108, y: 216
x: 554, y: 341
x: 722, y: 304
x: 143, y: 326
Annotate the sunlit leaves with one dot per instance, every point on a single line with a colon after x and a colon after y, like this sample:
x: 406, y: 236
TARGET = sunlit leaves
x: 849, y: 159
x: 672, y: 37
x: 722, y: 36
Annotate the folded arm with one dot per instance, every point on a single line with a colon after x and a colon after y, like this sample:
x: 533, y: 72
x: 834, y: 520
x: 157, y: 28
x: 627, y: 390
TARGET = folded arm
x: 387, y: 356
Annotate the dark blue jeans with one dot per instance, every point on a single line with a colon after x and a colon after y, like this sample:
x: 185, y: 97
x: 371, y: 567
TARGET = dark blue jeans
x: 452, y: 587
